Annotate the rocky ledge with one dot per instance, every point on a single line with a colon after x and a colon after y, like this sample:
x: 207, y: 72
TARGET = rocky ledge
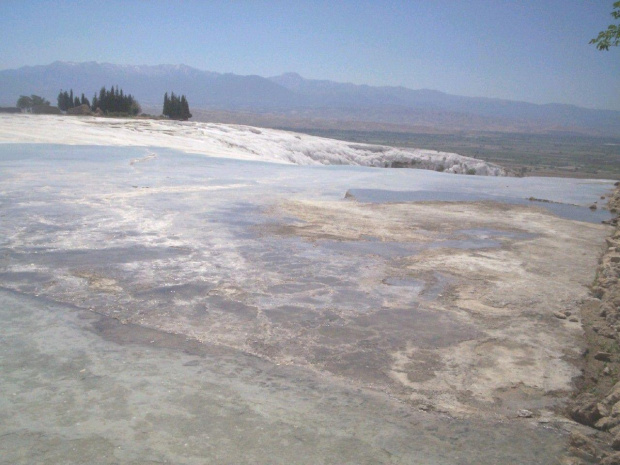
x: 597, y: 403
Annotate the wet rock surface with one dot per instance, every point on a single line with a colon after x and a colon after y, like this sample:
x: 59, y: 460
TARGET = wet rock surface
x: 84, y: 388
x: 440, y: 309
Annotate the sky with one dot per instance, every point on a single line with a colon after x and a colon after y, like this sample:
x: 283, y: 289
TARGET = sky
x: 534, y: 51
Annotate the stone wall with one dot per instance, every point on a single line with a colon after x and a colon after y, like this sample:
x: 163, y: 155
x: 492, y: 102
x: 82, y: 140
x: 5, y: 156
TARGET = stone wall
x: 598, y: 403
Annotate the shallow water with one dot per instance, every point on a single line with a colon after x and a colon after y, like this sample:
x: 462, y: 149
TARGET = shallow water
x: 297, y: 333
x: 81, y: 388
x: 563, y: 210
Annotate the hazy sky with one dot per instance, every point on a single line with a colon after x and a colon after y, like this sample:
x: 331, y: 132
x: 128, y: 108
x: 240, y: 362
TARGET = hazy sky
x: 535, y: 50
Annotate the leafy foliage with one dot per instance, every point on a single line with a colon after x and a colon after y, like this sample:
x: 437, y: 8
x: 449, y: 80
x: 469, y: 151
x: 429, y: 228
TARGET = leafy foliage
x: 26, y: 103
x: 611, y: 36
x: 36, y: 100
x: 176, y: 107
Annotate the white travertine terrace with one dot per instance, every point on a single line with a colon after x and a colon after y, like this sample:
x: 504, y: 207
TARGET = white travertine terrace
x: 230, y: 141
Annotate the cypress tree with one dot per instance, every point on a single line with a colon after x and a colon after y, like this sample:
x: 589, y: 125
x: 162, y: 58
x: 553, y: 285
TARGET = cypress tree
x: 65, y: 101
x: 176, y: 107
x: 185, y: 114
x: 61, y: 101
x: 109, y: 101
x: 102, y: 97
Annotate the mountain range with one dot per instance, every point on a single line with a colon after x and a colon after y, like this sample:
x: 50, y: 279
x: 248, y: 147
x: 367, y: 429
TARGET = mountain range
x: 291, y: 95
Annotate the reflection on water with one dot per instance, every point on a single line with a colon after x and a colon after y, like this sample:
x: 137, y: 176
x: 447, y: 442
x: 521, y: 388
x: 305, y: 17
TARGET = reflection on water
x: 571, y: 212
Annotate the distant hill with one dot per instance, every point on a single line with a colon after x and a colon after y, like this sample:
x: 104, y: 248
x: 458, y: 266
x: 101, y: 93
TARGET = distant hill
x: 426, y: 105
x: 146, y: 83
x: 293, y: 96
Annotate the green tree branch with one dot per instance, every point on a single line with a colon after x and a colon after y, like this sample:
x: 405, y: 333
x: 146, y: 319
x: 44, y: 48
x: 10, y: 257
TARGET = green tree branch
x: 611, y: 36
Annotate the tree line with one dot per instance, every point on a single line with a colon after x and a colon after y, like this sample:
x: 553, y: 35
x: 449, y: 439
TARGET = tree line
x: 176, y: 107
x: 111, y: 102
x: 66, y: 100
x: 25, y: 102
